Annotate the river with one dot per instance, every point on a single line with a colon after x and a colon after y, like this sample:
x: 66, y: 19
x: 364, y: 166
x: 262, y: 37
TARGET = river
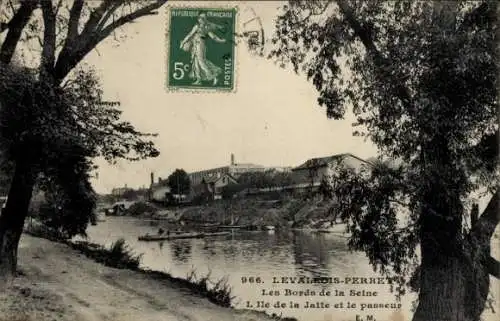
x: 242, y: 257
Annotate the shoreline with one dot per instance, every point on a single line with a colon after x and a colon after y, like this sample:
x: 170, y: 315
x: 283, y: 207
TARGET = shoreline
x: 59, y: 281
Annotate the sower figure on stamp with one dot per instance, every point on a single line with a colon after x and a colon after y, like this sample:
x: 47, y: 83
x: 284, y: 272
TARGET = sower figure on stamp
x: 202, y: 69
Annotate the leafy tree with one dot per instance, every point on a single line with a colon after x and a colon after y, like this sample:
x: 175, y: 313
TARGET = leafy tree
x: 44, y: 115
x: 179, y: 182
x: 266, y: 179
x: 229, y: 191
x: 69, y: 201
x: 421, y: 78
x: 254, y: 180
x: 132, y: 194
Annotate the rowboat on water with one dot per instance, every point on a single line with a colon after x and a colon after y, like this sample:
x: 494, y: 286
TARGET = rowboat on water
x: 216, y: 234
x: 163, y: 237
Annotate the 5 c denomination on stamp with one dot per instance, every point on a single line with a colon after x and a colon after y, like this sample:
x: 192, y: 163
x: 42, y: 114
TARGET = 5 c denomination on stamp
x: 201, y: 48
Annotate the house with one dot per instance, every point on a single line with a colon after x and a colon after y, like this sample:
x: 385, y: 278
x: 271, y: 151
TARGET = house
x: 211, y: 187
x: 314, y: 170
x: 119, y: 208
x: 234, y: 169
x: 160, y: 193
x: 120, y: 191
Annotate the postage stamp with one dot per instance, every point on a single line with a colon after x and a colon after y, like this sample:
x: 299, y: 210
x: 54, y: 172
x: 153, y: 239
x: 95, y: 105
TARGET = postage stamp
x: 201, y: 48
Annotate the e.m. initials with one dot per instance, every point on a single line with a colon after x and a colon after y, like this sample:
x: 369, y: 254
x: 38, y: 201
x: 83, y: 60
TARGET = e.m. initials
x: 368, y: 317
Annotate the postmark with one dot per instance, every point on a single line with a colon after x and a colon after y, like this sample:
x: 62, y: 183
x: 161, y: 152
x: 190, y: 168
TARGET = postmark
x: 201, y: 51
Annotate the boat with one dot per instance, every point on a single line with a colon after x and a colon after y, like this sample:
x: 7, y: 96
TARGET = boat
x: 164, y: 237
x: 269, y: 227
x: 216, y: 234
x: 230, y: 226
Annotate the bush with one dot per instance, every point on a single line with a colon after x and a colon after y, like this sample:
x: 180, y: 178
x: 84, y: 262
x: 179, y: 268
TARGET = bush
x: 219, y: 293
x: 141, y: 208
x: 119, y: 255
x: 43, y: 231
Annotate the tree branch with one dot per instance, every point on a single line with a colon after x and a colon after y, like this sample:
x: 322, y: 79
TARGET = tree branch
x: 16, y: 26
x: 483, y: 230
x: 3, y: 26
x: 74, y: 42
x: 108, y: 14
x: 95, y: 17
x: 58, y: 7
x: 90, y: 39
x: 364, y: 34
x: 74, y: 19
x: 49, y: 39
x: 487, y: 223
x: 476, y: 16
x: 146, y: 10
x: 492, y: 267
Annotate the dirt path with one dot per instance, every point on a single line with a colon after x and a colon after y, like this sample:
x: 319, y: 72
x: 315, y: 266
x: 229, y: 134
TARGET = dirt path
x: 60, y: 284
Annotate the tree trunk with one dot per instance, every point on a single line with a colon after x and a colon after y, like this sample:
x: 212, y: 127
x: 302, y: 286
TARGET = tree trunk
x: 442, y: 289
x: 443, y: 270
x: 13, y: 216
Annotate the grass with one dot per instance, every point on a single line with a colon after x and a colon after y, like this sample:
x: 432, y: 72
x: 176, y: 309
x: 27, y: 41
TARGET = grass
x: 219, y: 292
x: 119, y: 255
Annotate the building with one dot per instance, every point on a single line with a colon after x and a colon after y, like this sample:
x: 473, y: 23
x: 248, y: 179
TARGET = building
x: 211, y: 188
x: 315, y: 169
x: 158, y: 191
x: 233, y: 169
x: 120, y: 191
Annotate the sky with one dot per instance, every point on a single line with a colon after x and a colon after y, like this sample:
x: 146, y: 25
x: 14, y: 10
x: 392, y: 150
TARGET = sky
x: 272, y: 119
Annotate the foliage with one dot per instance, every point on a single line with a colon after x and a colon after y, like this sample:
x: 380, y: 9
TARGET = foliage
x: 70, y: 201
x: 218, y: 292
x: 414, y: 57
x: 231, y: 190
x: 65, y: 129
x: 134, y: 194
x: 421, y: 78
x: 44, y: 124
x: 266, y: 179
x: 179, y: 182
x: 141, y: 208
x: 38, y: 229
x: 108, y: 198
x: 118, y: 255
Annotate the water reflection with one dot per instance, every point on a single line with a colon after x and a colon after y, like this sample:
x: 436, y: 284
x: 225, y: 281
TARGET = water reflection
x: 181, y: 250
x: 242, y: 254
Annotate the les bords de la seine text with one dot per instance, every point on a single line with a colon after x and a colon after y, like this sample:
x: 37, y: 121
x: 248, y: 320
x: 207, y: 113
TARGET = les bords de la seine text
x: 285, y: 288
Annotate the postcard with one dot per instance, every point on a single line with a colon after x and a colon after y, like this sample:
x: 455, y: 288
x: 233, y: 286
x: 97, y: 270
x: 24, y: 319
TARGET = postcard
x: 249, y: 160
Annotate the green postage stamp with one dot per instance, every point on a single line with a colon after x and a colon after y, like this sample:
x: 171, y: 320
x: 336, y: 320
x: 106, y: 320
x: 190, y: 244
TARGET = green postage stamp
x: 201, y: 48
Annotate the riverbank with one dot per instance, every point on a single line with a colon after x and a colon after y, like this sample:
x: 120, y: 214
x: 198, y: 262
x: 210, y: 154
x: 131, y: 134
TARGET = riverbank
x: 254, y: 213
x: 58, y: 283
